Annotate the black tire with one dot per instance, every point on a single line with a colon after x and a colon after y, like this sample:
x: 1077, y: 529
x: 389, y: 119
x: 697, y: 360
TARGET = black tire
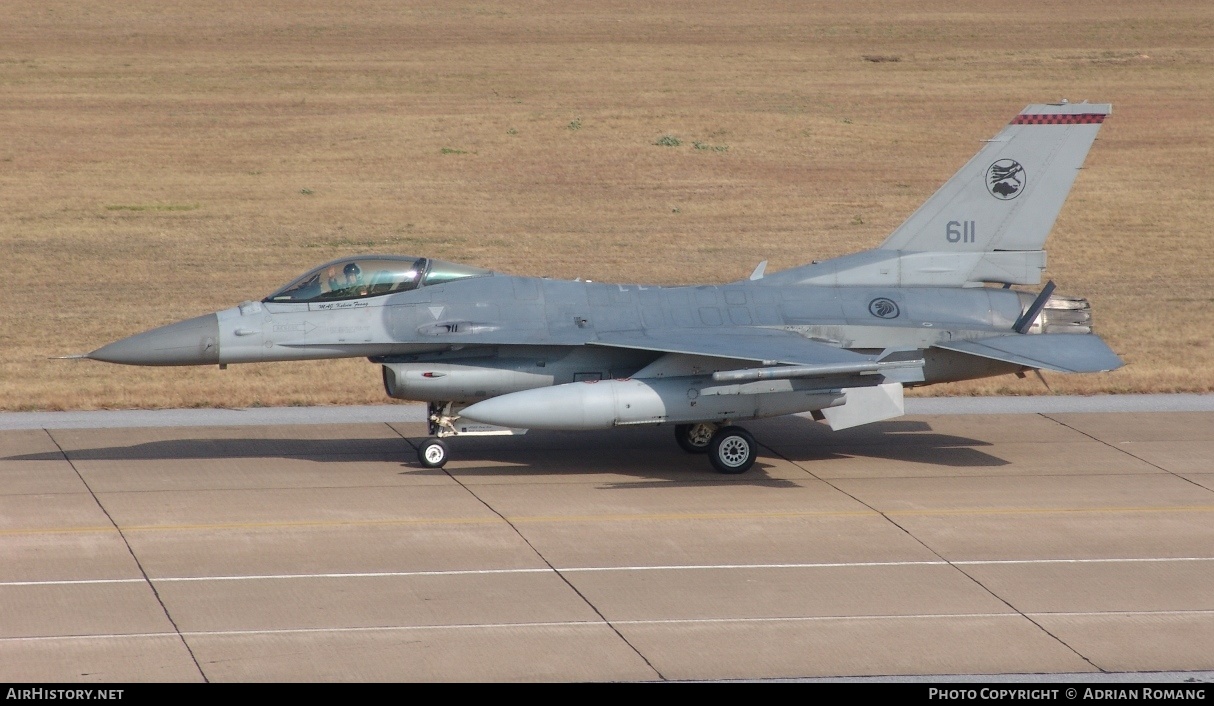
x: 732, y: 450
x: 693, y: 438
x: 433, y: 453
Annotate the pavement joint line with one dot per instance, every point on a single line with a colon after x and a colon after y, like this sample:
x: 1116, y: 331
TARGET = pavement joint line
x: 600, y: 624
x: 608, y: 518
x: 470, y: 490
x: 1085, y: 614
x: 893, y: 519
x: 603, y: 569
x: 909, y: 616
x: 289, y: 631
x: 131, y: 552
x: 1126, y: 451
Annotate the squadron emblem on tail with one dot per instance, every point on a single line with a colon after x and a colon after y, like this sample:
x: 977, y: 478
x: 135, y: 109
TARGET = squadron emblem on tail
x: 1005, y: 179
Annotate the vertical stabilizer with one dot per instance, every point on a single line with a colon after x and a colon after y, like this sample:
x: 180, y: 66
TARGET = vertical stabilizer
x: 989, y: 222
x: 1008, y: 196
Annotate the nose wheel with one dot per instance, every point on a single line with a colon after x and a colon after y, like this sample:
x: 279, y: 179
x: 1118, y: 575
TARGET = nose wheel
x: 432, y: 453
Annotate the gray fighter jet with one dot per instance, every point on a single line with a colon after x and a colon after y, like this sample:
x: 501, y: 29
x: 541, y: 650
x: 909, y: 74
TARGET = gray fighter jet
x: 841, y: 338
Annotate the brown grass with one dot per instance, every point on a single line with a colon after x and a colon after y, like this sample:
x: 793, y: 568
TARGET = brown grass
x: 162, y: 161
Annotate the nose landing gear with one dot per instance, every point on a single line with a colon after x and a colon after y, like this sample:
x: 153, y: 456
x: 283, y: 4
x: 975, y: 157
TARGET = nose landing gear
x: 445, y: 423
x: 432, y: 453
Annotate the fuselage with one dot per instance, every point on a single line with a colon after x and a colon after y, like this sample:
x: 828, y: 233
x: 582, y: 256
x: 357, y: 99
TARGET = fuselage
x: 529, y: 311
x: 544, y: 329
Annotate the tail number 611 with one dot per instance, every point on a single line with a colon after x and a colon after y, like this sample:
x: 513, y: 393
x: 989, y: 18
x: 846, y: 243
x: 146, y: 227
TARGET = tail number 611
x: 959, y: 231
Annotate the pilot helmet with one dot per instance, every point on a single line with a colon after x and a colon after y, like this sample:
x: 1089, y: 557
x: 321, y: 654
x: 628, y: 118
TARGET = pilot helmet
x: 352, y: 270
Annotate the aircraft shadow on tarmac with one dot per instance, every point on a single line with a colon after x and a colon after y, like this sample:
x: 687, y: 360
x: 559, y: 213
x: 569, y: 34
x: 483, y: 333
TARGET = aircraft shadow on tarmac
x: 645, y: 452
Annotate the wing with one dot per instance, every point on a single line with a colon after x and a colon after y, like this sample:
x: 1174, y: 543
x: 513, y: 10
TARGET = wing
x: 764, y: 346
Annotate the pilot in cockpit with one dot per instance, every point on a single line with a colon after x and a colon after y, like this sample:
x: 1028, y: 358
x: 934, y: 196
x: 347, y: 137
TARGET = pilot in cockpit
x: 353, y: 275
x: 348, y: 281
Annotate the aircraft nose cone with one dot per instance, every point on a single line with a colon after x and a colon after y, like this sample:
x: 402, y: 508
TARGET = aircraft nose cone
x: 190, y: 342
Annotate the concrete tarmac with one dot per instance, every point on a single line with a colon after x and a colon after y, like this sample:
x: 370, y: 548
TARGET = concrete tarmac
x: 1066, y: 545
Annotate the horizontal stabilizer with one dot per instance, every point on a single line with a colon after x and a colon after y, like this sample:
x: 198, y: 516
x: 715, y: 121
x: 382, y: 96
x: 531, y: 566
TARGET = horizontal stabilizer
x: 1064, y: 352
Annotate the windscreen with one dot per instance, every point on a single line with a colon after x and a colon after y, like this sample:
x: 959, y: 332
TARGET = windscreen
x: 354, y: 278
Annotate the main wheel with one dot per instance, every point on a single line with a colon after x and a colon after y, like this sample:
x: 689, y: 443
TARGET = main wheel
x: 432, y: 453
x: 732, y: 450
x: 694, y: 438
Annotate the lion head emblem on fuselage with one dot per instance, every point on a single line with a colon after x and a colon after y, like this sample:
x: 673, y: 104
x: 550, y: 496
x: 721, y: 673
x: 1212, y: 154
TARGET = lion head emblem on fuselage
x: 883, y: 308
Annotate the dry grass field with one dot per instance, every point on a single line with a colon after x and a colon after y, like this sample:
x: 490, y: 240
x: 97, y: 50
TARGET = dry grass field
x: 164, y: 160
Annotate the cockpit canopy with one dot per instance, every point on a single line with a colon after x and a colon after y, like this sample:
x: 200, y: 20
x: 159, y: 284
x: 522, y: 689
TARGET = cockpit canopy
x: 371, y: 276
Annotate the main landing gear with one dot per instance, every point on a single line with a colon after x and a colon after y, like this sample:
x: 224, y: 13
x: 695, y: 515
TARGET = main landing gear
x: 730, y: 449
x: 694, y: 438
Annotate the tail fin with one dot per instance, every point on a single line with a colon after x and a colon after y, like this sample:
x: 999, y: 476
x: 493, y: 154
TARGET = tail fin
x: 1008, y: 196
x: 989, y: 222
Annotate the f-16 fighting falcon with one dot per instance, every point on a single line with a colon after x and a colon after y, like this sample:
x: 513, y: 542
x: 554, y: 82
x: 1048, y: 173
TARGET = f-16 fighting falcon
x: 496, y: 354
